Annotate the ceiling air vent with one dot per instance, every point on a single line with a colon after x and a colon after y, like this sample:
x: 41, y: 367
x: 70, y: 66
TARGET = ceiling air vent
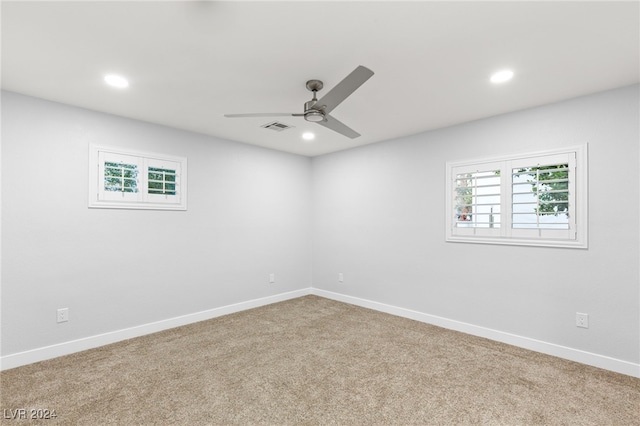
x: 277, y: 126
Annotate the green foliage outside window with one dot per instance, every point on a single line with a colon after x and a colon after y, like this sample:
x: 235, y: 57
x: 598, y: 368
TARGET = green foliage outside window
x: 551, y: 186
x: 162, y: 181
x: 120, y: 177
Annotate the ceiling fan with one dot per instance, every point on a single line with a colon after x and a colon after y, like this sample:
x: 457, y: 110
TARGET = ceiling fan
x: 317, y: 111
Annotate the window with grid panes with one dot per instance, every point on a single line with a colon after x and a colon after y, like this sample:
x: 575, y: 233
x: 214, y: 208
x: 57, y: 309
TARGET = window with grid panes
x: 125, y: 179
x: 162, y: 181
x: 532, y: 199
x: 120, y: 177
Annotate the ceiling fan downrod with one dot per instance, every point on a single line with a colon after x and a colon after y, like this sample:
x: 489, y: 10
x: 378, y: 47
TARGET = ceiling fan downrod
x: 311, y: 114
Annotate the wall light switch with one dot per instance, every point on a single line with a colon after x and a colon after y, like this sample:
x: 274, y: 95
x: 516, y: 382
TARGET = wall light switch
x: 340, y: 277
x: 272, y: 278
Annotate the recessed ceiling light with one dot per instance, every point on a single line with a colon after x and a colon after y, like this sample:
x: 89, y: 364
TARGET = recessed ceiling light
x: 308, y: 136
x: 116, y: 81
x: 502, y: 76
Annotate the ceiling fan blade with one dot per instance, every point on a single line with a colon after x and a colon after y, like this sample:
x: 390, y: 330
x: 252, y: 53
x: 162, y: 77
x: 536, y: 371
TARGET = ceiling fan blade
x: 343, y: 89
x: 337, y: 126
x: 265, y: 114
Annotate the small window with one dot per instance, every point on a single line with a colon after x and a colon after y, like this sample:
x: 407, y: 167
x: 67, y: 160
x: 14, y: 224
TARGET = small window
x: 533, y: 199
x: 122, y: 179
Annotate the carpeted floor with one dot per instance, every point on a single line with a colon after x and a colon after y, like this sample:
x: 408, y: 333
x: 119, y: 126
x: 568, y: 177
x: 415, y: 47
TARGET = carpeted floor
x: 314, y: 361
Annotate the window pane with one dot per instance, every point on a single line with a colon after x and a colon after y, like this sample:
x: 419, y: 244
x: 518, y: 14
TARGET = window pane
x: 540, y: 197
x: 525, y: 208
x: 488, y: 200
x: 128, y: 173
x: 522, y: 188
x: 534, y: 221
x: 129, y: 183
x: 523, y: 177
x: 120, y: 177
x: 162, y: 181
x: 108, y: 171
x: 477, y: 199
x: 559, y: 173
x: 482, y: 220
x: 528, y: 197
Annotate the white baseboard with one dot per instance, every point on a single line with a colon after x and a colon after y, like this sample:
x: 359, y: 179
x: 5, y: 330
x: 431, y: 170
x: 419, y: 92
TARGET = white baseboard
x: 66, y: 348
x: 595, y: 360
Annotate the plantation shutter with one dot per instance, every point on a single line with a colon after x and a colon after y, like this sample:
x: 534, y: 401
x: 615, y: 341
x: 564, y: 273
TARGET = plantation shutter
x: 119, y: 177
x: 477, y: 200
x: 543, y: 197
x: 163, y: 181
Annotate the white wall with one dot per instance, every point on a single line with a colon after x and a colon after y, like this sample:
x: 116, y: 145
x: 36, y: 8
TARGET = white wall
x: 379, y: 219
x: 248, y: 216
x: 374, y: 213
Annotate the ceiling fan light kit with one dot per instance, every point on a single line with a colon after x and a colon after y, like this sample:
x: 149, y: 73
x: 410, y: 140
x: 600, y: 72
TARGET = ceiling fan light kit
x: 317, y: 111
x: 314, y: 116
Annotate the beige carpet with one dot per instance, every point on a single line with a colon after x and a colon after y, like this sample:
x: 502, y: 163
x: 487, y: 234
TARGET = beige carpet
x: 313, y: 361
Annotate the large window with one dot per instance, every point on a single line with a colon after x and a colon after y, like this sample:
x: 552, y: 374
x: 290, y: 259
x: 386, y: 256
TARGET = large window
x: 125, y: 179
x: 532, y: 199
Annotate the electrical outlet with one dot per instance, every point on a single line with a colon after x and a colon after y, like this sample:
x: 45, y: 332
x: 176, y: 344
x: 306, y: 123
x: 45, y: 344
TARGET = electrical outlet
x: 582, y: 320
x: 272, y: 278
x: 63, y: 314
x: 340, y: 277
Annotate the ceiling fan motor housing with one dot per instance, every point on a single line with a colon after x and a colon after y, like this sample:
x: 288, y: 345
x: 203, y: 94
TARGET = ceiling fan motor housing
x: 311, y: 114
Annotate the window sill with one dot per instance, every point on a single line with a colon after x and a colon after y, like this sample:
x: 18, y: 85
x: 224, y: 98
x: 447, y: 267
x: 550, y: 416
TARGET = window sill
x: 533, y: 242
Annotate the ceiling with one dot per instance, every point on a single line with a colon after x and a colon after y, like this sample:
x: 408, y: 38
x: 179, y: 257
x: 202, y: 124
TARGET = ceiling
x: 191, y: 62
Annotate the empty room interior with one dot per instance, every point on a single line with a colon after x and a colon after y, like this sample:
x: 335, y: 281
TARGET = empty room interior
x: 334, y: 212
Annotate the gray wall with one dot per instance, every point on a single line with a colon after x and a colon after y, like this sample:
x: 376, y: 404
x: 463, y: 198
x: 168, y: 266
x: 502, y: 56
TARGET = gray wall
x: 379, y: 219
x: 248, y: 216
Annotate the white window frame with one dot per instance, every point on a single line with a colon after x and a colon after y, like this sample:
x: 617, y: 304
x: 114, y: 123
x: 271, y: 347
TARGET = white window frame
x: 574, y: 237
x: 142, y: 198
